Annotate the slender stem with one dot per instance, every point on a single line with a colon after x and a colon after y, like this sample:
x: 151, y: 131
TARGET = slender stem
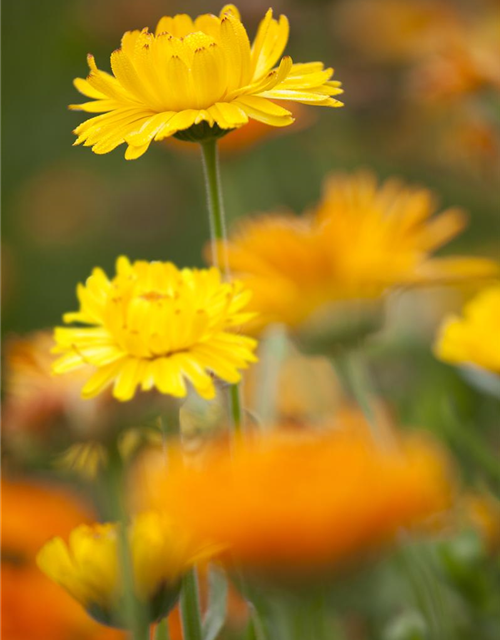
x: 162, y: 631
x: 134, y: 614
x: 190, y: 607
x: 218, y: 239
x: 218, y: 236
x: 236, y: 409
x: 356, y: 380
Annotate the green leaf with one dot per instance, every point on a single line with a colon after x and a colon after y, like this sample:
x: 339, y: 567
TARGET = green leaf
x: 217, y: 605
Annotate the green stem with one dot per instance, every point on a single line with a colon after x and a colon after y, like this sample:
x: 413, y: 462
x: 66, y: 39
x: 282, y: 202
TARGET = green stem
x: 218, y: 239
x: 356, y: 381
x: 217, y: 216
x: 162, y: 632
x: 190, y: 607
x: 134, y: 615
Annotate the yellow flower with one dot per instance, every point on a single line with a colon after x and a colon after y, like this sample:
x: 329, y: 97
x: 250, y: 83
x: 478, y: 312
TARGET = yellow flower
x: 362, y: 240
x: 202, y: 72
x: 474, y: 338
x: 89, y: 569
x: 288, y: 504
x: 34, y: 608
x: 156, y: 326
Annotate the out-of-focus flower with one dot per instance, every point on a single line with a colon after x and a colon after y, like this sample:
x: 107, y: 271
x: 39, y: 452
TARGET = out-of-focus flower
x: 36, y: 401
x: 89, y: 568
x: 472, y: 141
x: 199, y: 73
x: 453, y: 51
x: 33, y: 608
x: 54, y: 511
x: 154, y: 325
x: 83, y: 458
x: 483, y: 512
x: 393, y: 31
x: 288, y: 505
x: 86, y: 459
x: 466, y: 60
x: 362, y: 240
x: 474, y: 338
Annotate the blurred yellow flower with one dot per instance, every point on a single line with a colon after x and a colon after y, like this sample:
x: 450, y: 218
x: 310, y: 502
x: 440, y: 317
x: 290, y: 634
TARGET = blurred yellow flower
x: 89, y: 569
x: 31, y: 515
x: 474, y: 338
x: 203, y: 72
x: 289, y: 505
x: 154, y: 325
x: 362, y: 240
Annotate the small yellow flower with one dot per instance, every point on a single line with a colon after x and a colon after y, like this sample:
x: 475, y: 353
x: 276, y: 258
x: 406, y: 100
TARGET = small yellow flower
x: 474, y: 338
x: 89, y: 569
x: 156, y: 326
x: 362, y: 240
x: 203, y: 72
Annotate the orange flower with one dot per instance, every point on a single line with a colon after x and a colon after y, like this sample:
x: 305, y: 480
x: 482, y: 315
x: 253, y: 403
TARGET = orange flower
x: 466, y: 60
x: 35, y: 399
x: 362, y: 240
x: 482, y: 511
x: 391, y: 30
x: 287, y: 505
x: 33, y: 608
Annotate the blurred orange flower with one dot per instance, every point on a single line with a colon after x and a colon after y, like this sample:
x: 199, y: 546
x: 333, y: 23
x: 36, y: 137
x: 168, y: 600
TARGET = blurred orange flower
x: 362, y: 240
x: 391, y: 30
x: 32, y: 607
x: 36, y: 401
x: 483, y: 512
x: 453, y: 50
x: 288, y: 505
x: 466, y: 59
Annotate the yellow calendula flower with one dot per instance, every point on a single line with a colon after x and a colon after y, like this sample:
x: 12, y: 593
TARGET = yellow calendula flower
x: 361, y: 241
x: 88, y: 567
x: 196, y: 72
x: 474, y: 338
x: 156, y: 326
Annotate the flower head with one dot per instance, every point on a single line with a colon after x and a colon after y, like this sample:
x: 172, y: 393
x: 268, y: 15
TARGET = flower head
x: 362, y: 240
x: 88, y: 567
x: 31, y: 515
x: 156, y: 326
x: 473, y: 339
x: 299, y: 503
x: 201, y: 72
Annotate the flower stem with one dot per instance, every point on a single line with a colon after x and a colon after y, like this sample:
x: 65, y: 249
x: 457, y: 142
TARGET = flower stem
x: 355, y: 378
x: 134, y: 614
x: 162, y: 631
x: 217, y: 216
x: 190, y: 607
x: 218, y: 239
